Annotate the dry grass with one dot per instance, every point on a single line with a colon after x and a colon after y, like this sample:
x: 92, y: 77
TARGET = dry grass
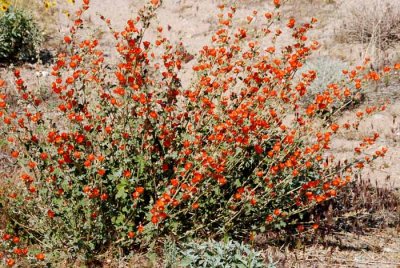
x: 360, y: 208
x: 363, y: 207
x: 359, y: 229
x: 373, y: 23
x: 378, y: 249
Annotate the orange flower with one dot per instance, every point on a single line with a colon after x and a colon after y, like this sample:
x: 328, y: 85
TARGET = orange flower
x: 153, y: 115
x: 77, y: 154
x: 10, y: 262
x: 300, y: 228
x: 269, y: 218
x: 277, y: 212
x: 86, y: 189
x: 334, y: 127
x: 43, y: 156
x: 140, y: 228
x: 101, y: 172
x: 310, y: 110
x: 70, y: 80
x: 51, y: 214
x: 140, y: 190
x: 291, y: 23
x: 67, y: 39
x: 32, y: 164
x: 40, y: 256
x: 154, y: 219
x: 277, y: 3
x: 332, y: 193
x: 258, y: 149
x: 131, y: 234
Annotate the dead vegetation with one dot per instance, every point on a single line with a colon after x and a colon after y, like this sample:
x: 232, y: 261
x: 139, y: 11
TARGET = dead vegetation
x: 375, y: 22
x: 361, y: 228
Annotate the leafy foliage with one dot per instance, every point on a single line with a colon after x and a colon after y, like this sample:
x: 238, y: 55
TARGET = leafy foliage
x: 214, y: 254
x: 20, y: 36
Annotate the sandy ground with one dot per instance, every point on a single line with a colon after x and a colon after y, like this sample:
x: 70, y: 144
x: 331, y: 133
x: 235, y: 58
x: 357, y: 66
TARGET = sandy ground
x: 378, y: 249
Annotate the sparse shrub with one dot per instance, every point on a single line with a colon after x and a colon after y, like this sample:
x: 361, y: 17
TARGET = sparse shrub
x: 380, y: 25
x: 329, y: 72
x: 20, y: 36
x: 130, y: 154
x: 215, y: 254
x: 360, y: 207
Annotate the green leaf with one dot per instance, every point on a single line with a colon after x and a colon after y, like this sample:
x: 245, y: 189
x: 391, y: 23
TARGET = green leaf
x: 120, y: 219
x: 185, y: 262
x: 121, y: 189
x: 140, y: 160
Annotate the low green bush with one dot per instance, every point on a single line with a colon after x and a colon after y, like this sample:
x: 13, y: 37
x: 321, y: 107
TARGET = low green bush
x: 213, y: 254
x: 20, y: 36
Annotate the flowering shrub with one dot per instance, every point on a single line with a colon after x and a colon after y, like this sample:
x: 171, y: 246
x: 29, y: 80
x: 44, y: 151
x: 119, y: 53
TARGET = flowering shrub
x: 130, y: 154
x: 330, y: 75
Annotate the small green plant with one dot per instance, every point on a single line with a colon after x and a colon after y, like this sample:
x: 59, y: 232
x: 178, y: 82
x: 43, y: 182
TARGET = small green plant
x: 170, y: 253
x: 20, y: 36
x: 213, y: 254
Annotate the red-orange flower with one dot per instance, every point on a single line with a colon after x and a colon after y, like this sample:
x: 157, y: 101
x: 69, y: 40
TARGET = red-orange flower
x: 67, y: 39
x: 10, y: 262
x: 40, y: 256
x: 131, y: 234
